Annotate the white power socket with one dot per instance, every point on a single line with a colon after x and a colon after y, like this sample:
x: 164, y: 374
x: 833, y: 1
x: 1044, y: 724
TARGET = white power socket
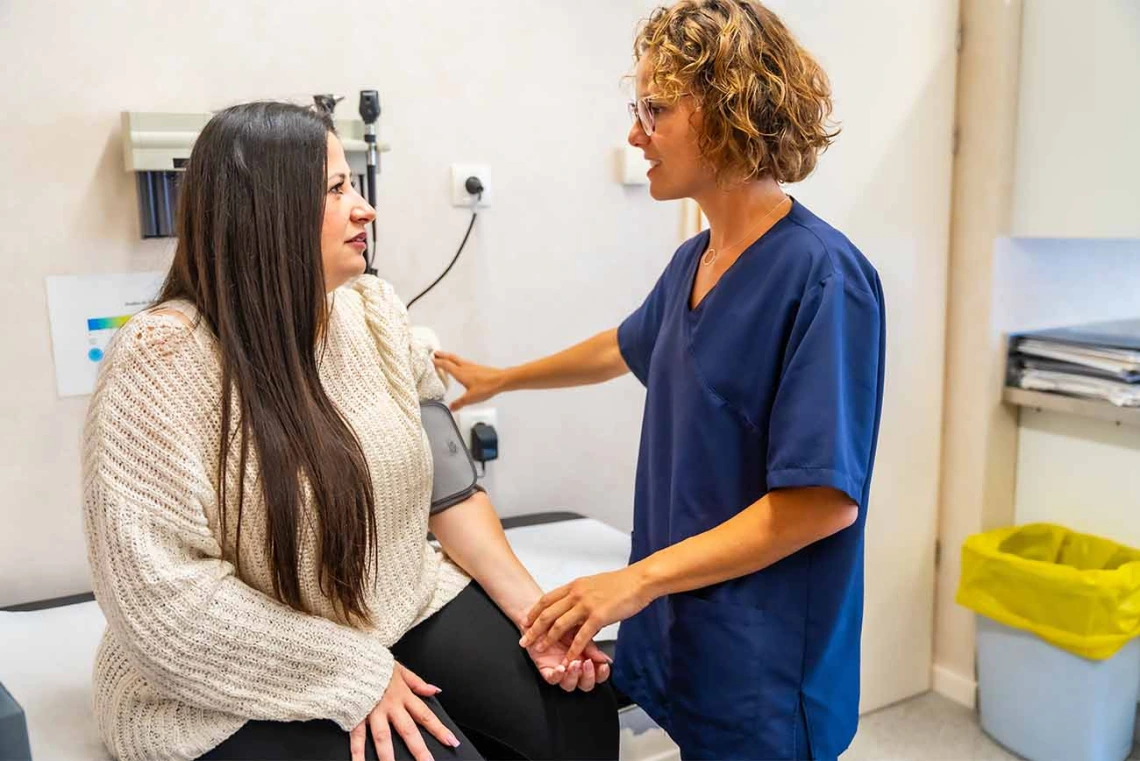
x: 459, y: 175
x: 469, y: 416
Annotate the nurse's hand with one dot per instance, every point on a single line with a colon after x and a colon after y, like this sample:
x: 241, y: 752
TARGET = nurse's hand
x: 587, y: 605
x: 480, y: 381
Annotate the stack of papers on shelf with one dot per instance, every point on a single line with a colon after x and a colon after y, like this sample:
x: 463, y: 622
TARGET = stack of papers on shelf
x: 1120, y: 394
x: 1095, y: 361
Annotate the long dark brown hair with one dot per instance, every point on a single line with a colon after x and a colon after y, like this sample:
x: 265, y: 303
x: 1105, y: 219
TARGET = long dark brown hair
x: 249, y: 258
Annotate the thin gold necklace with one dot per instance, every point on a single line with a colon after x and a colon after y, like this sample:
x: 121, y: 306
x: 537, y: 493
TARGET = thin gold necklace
x: 712, y: 253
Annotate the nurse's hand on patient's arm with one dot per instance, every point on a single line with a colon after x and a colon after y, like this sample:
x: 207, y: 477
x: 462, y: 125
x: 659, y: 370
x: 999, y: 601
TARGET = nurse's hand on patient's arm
x: 481, y: 382
x: 780, y: 523
x: 595, y: 360
x: 579, y: 610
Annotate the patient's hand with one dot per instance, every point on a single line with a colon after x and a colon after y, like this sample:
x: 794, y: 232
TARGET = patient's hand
x: 582, y: 674
x: 401, y: 709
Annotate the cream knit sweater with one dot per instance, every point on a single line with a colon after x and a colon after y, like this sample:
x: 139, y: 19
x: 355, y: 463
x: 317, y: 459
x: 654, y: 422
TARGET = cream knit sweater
x: 192, y: 652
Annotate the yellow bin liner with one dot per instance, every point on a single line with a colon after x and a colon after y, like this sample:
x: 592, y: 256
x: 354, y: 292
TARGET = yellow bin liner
x: 1078, y: 592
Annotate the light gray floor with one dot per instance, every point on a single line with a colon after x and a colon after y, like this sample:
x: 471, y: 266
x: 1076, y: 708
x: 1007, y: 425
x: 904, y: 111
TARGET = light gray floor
x: 928, y: 728
x: 925, y: 728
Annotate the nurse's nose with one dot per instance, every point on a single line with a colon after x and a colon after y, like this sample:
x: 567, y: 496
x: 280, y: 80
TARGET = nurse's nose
x: 637, y: 137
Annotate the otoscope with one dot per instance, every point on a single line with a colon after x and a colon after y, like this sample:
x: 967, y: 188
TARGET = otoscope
x: 369, y: 113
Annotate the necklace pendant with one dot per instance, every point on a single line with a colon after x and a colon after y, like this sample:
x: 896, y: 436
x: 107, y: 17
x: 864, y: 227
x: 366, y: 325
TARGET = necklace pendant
x: 709, y: 257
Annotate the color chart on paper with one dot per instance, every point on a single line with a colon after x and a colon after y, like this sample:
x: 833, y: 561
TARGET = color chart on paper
x: 99, y: 332
x: 85, y: 312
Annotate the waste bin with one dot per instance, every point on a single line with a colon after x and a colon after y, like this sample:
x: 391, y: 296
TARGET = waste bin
x: 1057, y: 640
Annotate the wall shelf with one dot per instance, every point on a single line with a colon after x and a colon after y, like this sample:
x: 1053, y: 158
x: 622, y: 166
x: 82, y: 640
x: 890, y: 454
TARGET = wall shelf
x: 1072, y: 405
x: 157, y: 141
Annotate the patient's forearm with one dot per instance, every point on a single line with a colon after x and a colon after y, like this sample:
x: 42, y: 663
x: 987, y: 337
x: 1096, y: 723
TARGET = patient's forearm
x: 472, y: 536
x: 595, y: 360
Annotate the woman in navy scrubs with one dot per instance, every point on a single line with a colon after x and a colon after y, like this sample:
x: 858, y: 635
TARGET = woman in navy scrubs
x: 761, y: 348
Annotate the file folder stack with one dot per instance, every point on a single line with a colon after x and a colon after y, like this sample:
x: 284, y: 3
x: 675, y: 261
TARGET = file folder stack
x: 1094, y: 361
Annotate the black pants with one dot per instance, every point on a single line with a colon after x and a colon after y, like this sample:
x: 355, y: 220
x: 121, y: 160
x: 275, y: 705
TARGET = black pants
x: 493, y: 699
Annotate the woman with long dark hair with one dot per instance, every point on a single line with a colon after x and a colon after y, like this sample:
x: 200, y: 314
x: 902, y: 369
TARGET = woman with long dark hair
x: 257, y: 486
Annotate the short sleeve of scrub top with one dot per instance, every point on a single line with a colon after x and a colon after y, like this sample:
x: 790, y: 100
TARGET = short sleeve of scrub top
x: 823, y: 419
x: 637, y: 334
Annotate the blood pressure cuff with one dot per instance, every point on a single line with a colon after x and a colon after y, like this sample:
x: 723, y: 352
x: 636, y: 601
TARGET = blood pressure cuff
x: 454, y: 478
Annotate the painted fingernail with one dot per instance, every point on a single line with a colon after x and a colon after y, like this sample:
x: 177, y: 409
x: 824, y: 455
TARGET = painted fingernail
x: 522, y: 642
x: 454, y: 741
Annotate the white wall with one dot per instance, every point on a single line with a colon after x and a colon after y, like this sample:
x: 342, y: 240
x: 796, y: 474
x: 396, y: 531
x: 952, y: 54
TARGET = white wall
x: 1080, y: 473
x: 1045, y: 283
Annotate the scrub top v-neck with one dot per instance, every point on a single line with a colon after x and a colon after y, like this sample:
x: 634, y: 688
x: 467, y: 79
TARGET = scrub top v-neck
x: 773, y: 380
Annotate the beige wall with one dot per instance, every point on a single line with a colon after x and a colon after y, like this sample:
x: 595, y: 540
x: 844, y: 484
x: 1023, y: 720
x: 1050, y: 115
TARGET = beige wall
x: 980, y: 434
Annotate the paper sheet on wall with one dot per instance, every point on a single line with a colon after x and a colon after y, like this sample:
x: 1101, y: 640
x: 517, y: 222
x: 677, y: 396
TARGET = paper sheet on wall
x: 85, y: 312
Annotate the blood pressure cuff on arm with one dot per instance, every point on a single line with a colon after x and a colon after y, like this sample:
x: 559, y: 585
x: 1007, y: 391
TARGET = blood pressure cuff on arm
x: 454, y: 478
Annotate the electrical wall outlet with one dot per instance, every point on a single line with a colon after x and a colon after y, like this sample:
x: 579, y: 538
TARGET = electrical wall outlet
x: 469, y: 416
x: 459, y: 175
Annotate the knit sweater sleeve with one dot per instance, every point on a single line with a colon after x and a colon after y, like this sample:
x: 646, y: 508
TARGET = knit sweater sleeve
x: 430, y: 382
x: 384, y: 307
x: 195, y: 631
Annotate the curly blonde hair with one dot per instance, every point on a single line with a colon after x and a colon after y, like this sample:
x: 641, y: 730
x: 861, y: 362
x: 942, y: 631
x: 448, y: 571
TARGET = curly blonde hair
x: 765, y: 102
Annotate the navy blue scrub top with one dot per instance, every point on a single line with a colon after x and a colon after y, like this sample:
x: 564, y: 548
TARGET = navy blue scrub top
x: 775, y: 380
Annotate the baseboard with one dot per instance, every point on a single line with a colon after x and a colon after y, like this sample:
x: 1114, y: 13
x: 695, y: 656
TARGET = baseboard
x: 954, y: 686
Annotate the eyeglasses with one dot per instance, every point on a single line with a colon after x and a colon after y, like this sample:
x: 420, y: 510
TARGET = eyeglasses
x: 644, y: 112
